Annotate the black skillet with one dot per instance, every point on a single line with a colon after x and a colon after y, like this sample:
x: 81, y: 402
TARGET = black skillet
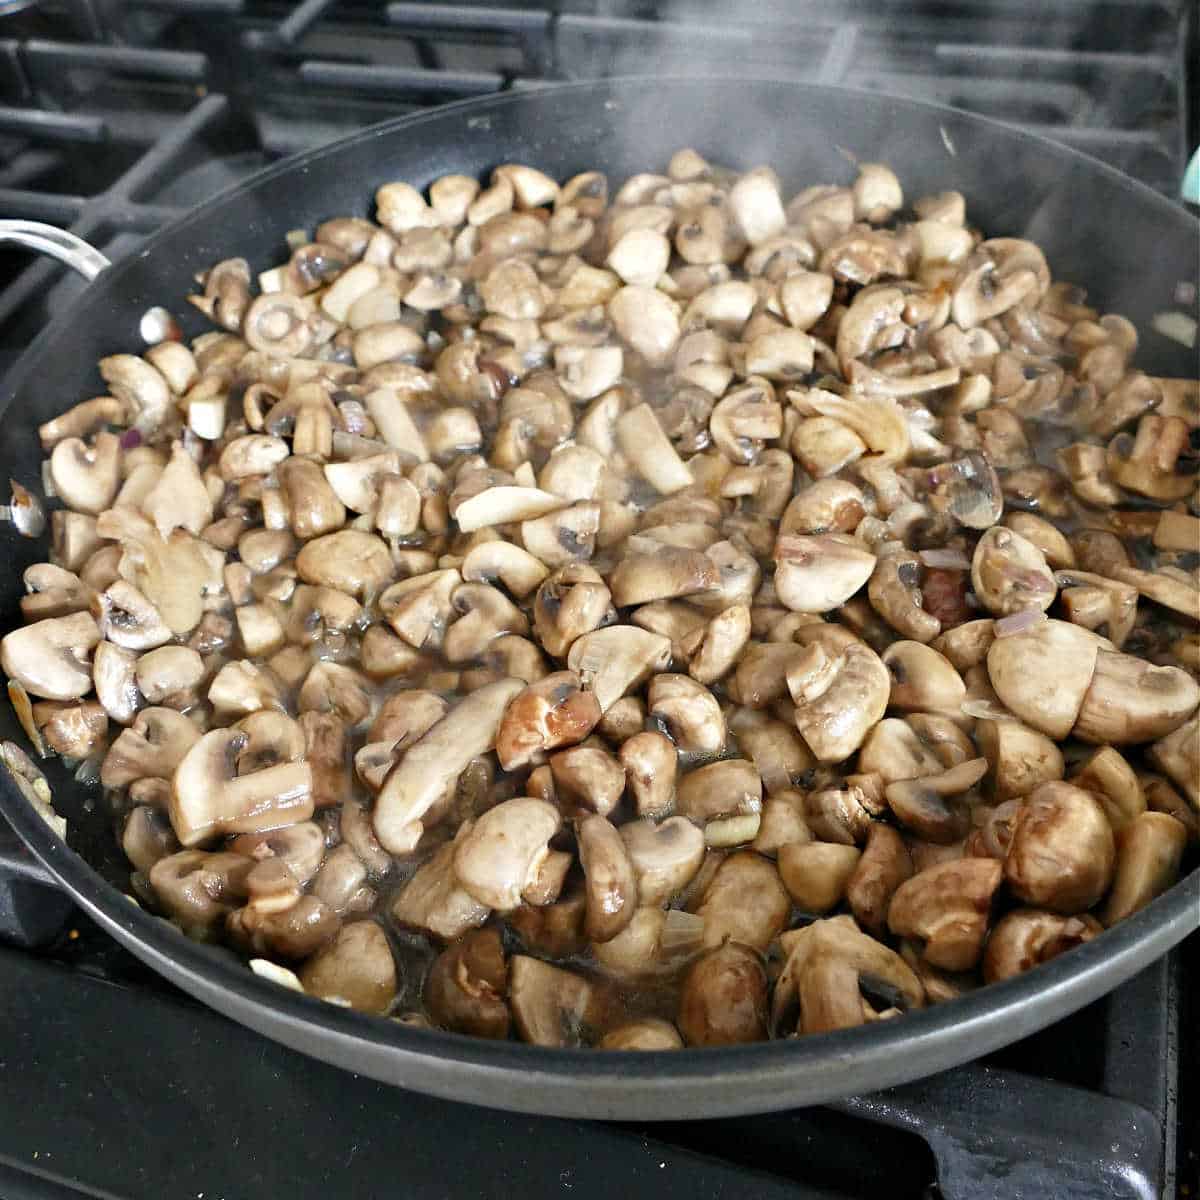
x: 1127, y: 245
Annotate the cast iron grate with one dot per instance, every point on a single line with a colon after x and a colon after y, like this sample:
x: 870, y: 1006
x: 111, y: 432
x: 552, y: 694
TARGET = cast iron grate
x: 103, y: 102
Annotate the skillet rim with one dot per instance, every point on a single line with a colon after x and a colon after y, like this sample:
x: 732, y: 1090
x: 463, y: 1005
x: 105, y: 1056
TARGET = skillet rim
x: 631, y: 1084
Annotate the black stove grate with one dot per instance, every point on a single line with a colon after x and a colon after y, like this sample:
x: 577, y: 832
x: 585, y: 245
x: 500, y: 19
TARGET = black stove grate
x: 102, y: 102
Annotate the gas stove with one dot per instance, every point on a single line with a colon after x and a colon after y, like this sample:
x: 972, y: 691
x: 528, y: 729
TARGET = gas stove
x: 118, y: 115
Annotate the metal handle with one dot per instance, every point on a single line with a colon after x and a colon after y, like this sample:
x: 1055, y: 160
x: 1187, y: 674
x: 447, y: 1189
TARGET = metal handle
x: 57, y: 243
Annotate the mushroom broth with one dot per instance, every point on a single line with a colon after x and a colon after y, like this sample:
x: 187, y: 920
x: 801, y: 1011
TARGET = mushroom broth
x: 684, y: 617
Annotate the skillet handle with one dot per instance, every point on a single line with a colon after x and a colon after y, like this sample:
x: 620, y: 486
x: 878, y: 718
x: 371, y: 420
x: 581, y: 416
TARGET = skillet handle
x: 57, y: 243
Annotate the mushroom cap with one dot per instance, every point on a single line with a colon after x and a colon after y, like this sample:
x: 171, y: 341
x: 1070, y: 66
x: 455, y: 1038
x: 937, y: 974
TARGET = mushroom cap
x: 1043, y: 674
x: 1027, y: 937
x: 1130, y: 700
x: 947, y: 906
x: 50, y: 658
x: 723, y: 999
x: 499, y: 856
x: 356, y: 968
x: 817, y: 573
x: 1062, y: 852
x: 349, y: 560
x: 610, y: 881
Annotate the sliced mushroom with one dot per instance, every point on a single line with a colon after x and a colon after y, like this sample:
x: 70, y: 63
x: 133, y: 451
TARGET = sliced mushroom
x: 1009, y: 573
x: 816, y: 574
x: 500, y: 856
x: 589, y: 778
x: 650, y: 762
x: 434, y: 762
x: 884, y: 865
x: 838, y: 699
x: 921, y: 804
x: 613, y: 661
x: 664, y: 857
x: 1018, y: 758
x: 548, y: 714
x: 433, y: 899
x: 50, y: 658
x: 817, y: 874
x: 689, y: 711
x: 553, y: 1007
x: 831, y: 969
x: 208, y: 798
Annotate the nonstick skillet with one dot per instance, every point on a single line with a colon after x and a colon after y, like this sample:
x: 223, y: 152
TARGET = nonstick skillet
x: 1135, y: 253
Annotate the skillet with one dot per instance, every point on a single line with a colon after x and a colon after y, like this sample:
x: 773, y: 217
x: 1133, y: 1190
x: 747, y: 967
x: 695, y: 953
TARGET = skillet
x: 1127, y: 245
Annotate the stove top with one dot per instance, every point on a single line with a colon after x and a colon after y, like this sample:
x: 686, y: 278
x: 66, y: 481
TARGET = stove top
x: 118, y: 115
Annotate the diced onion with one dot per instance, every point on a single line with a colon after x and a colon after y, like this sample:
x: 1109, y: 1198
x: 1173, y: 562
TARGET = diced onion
x: 1019, y: 622
x: 276, y: 974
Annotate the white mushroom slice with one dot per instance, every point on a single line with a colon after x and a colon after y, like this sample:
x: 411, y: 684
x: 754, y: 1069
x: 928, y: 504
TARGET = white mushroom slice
x: 878, y: 421
x: 169, y: 671
x: 518, y: 570
x: 614, y: 661
x: 650, y: 451
x: 395, y: 424
x: 838, y: 699
x: 434, y: 763
x: 877, y: 193
x: 208, y: 799
x: 113, y: 675
x: 356, y: 483
x: 1009, y: 573
x: 179, y: 498
x: 243, y: 687
x: 254, y: 454
x: 50, y: 658
x: 140, y: 388
x: 815, y: 574
x: 661, y: 574
x: 502, y: 505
